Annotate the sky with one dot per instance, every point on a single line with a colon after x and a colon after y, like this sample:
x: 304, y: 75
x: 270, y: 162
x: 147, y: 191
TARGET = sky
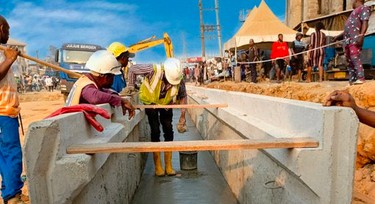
x: 45, y: 23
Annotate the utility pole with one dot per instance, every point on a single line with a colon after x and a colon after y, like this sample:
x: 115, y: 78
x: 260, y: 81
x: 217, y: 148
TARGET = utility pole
x: 202, y: 27
x: 218, y: 27
x: 210, y: 28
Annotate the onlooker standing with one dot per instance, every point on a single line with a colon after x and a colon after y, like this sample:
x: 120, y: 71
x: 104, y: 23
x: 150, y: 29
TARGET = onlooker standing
x: 35, y: 83
x: 55, y: 82
x: 317, y: 40
x: 252, y: 56
x: 49, y: 83
x: 279, y: 54
x: 298, y: 47
x: 219, y: 65
x: 10, y: 148
x: 196, y: 74
x: 232, y: 64
x: 186, y: 73
x: 191, y: 74
x: 354, y: 33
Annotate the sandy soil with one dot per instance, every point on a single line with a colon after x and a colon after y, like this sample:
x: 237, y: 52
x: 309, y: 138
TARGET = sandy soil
x: 36, y: 106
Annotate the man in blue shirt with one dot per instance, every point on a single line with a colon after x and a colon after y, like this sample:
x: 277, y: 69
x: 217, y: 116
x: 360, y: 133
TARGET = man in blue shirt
x: 122, y: 54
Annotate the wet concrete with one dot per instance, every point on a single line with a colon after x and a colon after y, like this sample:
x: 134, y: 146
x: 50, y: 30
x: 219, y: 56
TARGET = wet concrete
x: 204, y: 185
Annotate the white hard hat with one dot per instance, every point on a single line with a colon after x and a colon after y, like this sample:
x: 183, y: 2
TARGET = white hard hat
x: 103, y: 62
x: 173, y: 71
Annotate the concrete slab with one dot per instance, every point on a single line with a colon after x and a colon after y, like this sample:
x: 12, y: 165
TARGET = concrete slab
x: 55, y: 177
x: 312, y: 175
x: 204, y: 185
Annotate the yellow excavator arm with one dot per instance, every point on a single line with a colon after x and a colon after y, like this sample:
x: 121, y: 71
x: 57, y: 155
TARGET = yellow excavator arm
x: 152, y: 42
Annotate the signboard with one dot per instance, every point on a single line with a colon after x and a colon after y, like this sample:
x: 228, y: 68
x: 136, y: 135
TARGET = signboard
x: 81, y: 47
x: 194, y: 59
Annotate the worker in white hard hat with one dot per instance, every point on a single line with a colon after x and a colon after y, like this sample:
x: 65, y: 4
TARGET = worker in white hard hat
x: 94, y: 87
x: 122, y: 54
x: 162, y: 85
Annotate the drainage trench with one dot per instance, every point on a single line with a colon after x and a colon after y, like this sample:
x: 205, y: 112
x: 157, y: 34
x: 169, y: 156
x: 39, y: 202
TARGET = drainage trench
x: 206, y: 184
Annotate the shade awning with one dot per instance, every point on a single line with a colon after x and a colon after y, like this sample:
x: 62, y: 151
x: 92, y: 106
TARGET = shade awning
x: 262, y: 26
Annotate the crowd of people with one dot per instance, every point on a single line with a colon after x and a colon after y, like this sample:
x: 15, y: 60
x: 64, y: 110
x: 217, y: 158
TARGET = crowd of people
x: 301, y: 57
x: 31, y: 83
x: 279, y: 63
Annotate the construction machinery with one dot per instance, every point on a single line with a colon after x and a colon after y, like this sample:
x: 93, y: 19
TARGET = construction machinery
x: 152, y: 42
x: 73, y: 57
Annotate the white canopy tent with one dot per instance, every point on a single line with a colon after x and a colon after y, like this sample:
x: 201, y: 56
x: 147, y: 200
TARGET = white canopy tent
x: 262, y: 26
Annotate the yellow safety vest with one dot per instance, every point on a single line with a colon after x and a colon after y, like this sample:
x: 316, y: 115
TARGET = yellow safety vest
x: 75, y: 94
x: 149, y: 91
x: 9, y: 99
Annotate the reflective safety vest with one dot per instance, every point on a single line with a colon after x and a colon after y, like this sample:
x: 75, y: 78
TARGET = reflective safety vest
x: 9, y: 99
x: 75, y: 94
x: 149, y: 92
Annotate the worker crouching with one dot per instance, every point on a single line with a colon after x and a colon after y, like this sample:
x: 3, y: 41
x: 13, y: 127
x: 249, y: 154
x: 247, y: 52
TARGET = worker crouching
x: 94, y: 87
x: 163, y: 85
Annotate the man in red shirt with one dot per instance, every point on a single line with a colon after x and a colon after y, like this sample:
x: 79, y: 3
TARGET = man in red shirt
x: 279, y: 56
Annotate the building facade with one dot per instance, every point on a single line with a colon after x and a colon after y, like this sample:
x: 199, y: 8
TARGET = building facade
x: 298, y: 11
x: 20, y: 65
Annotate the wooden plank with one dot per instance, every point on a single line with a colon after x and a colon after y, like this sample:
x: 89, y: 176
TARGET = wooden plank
x: 199, y: 145
x: 183, y: 106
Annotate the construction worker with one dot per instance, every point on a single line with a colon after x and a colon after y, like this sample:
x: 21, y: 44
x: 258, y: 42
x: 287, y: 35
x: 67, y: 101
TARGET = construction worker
x: 162, y: 85
x: 10, y: 146
x: 93, y: 88
x: 122, y: 54
x: 343, y: 98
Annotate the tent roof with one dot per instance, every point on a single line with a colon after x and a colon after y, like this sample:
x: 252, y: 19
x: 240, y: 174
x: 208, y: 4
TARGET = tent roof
x: 261, y: 25
x: 248, y: 21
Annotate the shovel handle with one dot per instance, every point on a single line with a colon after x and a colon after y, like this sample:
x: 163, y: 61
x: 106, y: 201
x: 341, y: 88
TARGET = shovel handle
x: 55, y: 67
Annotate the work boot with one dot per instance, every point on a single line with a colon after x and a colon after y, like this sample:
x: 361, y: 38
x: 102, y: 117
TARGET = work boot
x: 168, y: 164
x: 159, y: 171
x: 15, y: 200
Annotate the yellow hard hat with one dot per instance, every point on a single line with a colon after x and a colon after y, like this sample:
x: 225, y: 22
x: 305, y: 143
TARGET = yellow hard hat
x: 117, y: 48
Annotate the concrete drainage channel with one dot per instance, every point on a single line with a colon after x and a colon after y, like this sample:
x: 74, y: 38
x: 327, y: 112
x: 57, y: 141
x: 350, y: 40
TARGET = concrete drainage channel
x: 300, y: 175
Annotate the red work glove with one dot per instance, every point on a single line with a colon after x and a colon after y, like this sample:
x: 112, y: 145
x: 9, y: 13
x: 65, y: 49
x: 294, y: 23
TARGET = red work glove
x: 88, y: 110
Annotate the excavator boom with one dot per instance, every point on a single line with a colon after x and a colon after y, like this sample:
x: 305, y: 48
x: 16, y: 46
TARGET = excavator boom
x: 152, y: 42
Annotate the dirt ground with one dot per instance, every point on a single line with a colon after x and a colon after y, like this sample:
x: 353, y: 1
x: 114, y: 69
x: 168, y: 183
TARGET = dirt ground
x: 37, y: 105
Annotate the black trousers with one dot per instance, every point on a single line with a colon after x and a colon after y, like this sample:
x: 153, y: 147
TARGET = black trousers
x: 163, y: 117
x: 253, y: 70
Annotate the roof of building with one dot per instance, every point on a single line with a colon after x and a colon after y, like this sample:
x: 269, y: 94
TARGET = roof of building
x: 12, y: 41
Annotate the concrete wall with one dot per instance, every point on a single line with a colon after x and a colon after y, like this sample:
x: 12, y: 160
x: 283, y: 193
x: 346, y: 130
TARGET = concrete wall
x: 315, y: 175
x: 293, y: 14
x: 56, y: 177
